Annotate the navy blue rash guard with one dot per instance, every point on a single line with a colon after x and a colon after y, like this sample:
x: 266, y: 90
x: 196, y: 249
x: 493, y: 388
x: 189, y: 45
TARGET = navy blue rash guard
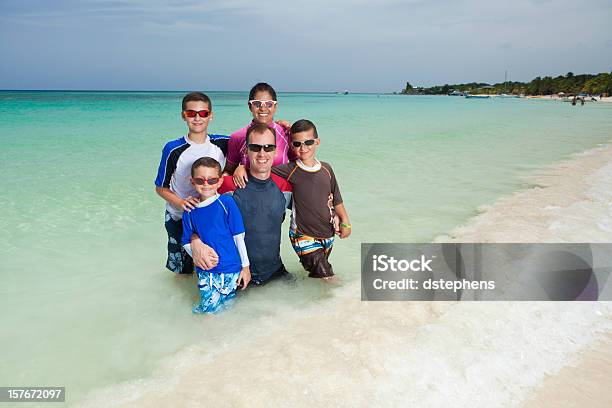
x: 262, y: 205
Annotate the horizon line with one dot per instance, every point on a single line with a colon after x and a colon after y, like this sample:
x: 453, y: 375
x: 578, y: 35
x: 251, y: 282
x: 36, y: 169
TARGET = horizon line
x: 170, y: 91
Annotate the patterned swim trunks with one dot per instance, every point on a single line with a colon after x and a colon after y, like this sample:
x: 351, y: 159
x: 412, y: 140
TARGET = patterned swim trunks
x: 216, y: 291
x: 313, y: 253
x: 303, y: 244
x: 179, y: 260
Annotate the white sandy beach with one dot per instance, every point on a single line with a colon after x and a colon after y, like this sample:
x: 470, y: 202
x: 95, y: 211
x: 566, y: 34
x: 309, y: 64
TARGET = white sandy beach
x: 344, y: 352
x: 606, y: 99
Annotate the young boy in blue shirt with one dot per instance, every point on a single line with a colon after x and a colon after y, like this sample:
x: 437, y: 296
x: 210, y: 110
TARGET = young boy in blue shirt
x: 217, y: 221
x: 172, y: 182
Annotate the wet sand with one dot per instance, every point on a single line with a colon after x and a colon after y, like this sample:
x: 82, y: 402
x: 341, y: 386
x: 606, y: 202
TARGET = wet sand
x: 586, y: 384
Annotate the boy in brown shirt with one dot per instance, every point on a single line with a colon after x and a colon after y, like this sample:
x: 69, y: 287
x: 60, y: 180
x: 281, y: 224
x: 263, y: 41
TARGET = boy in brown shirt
x: 316, y: 196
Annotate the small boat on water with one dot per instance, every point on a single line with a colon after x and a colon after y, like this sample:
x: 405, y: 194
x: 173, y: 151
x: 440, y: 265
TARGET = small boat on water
x: 467, y: 95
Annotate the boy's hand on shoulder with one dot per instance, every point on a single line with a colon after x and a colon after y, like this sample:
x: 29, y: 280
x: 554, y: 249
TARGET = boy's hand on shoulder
x: 189, y: 203
x: 244, y: 278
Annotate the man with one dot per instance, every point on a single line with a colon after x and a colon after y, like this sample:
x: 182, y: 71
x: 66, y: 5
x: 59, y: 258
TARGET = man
x: 262, y: 204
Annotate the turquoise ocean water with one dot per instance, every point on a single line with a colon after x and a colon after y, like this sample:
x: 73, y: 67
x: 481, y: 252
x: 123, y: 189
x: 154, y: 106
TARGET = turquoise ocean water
x: 84, y: 297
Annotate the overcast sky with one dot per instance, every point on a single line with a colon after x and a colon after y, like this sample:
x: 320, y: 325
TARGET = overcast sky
x: 314, y: 45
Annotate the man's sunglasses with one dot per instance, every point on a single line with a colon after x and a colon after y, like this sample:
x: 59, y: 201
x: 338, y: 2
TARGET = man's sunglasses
x: 192, y: 113
x: 200, y: 181
x: 308, y: 142
x: 258, y: 104
x: 257, y: 147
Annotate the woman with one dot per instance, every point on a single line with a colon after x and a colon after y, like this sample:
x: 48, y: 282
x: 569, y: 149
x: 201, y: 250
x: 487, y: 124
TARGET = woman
x: 262, y: 104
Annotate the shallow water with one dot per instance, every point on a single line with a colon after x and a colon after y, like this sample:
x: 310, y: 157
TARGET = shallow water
x: 83, y: 288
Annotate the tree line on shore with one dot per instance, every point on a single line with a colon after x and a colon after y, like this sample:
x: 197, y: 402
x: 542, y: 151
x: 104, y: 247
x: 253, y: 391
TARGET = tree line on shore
x: 568, y: 84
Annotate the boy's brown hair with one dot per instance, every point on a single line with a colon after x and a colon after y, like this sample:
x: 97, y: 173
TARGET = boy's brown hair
x: 206, y: 162
x: 196, y: 96
x: 304, y: 125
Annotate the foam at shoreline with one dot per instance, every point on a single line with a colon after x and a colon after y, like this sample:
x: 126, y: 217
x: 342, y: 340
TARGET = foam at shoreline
x: 569, y: 202
x: 350, y: 353
x: 345, y: 352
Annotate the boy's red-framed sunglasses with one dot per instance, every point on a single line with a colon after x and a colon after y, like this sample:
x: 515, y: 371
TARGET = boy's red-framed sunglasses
x: 200, y: 181
x: 189, y: 113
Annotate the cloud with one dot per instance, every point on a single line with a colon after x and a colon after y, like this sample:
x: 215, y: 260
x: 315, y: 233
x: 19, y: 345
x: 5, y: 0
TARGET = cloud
x: 357, y: 44
x: 29, y: 10
x: 175, y: 27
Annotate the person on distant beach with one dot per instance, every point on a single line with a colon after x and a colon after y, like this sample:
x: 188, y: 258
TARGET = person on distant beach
x: 173, y: 175
x: 262, y: 104
x: 217, y: 222
x: 262, y: 203
x: 316, y: 197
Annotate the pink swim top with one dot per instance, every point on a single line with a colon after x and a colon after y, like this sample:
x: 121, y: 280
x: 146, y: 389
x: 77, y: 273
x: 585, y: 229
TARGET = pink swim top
x: 237, y: 150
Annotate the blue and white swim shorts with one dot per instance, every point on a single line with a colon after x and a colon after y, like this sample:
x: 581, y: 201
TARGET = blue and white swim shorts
x: 216, y: 291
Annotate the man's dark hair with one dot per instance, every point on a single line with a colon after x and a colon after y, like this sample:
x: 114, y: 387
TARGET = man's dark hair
x: 304, y: 125
x: 262, y: 87
x: 259, y: 128
x: 206, y: 162
x: 196, y: 96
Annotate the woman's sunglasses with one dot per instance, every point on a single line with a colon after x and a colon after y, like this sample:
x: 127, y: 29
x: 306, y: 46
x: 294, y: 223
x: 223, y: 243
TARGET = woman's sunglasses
x: 192, y: 113
x: 258, y: 104
x: 257, y: 147
x: 308, y: 142
x: 200, y: 181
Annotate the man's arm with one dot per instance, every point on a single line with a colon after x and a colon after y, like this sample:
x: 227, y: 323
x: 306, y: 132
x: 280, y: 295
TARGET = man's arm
x: 238, y: 172
x: 285, y: 187
x: 203, y: 256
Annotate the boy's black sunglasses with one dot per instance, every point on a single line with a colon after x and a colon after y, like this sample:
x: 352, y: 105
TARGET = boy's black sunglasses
x: 308, y: 142
x: 257, y: 147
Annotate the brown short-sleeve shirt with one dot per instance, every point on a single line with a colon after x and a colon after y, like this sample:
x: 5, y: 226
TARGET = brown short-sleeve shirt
x: 311, y: 192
